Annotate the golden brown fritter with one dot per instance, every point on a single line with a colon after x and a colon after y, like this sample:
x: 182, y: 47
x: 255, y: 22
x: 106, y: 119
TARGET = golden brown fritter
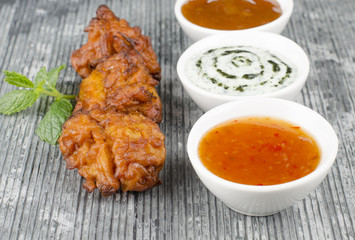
x: 126, y: 67
x: 113, y: 138
x: 140, y: 98
x: 107, y: 35
x: 83, y: 144
x: 112, y: 149
x: 120, y: 83
x: 92, y: 93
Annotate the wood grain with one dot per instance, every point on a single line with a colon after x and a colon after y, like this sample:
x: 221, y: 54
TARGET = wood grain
x: 41, y: 199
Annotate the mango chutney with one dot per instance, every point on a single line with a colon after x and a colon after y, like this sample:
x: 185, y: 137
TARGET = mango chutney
x: 231, y: 14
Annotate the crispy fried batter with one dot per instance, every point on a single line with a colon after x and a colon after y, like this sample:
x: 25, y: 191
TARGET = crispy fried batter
x: 107, y: 35
x: 123, y: 82
x: 137, y: 145
x: 126, y: 67
x: 83, y: 144
x: 92, y: 92
x: 110, y: 148
x: 137, y: 98
x: 113, y: 138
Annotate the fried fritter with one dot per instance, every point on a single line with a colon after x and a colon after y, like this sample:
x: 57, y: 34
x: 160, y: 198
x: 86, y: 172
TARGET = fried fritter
x: 137, y: 98
x: 92, y: 93
x: 124, y: 83
x: 83, y: 144
x: 124, y: 68
x: 113, y: 138
x: 107, y: 35
x: 112, y: 149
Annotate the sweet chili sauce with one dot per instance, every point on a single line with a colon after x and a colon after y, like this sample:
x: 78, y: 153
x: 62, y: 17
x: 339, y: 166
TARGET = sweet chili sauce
x: 259, y: 151
x: 231, y: 14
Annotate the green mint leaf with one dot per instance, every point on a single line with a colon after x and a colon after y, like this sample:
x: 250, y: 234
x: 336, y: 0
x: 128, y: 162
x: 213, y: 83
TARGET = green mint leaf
x: 45, y: 82
x: 50, y: 128
x: 41, y: 77
x: 50, y: 91
x: 17, y: 79
x: 41, y: 85
x: 17, y: 100
x: 53, y: 75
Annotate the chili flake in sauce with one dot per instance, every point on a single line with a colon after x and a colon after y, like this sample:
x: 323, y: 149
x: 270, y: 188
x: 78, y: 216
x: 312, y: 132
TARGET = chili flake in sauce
x: 259, y: 151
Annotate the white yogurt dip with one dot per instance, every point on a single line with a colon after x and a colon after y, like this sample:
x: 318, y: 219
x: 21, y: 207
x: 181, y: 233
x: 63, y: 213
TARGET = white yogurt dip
x: 239, y: 71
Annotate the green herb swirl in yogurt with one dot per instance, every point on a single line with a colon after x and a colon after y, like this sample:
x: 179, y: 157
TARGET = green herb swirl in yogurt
x: 240, y: 70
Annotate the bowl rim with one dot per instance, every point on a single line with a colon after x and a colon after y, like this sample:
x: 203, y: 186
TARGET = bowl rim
x: 286, y: 7
x: 212, y: 41
x: 321, y: 170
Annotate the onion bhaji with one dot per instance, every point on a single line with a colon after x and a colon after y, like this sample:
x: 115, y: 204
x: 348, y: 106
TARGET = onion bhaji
x: 113, y: 149
x: 107, y: 35
x: 112, y: 137
x: 121, y: 81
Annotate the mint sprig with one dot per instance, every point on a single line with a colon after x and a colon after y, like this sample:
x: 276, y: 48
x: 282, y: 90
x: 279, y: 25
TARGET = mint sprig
x: 17, y: 100
x: 50, y: 127
x: 17, y: 79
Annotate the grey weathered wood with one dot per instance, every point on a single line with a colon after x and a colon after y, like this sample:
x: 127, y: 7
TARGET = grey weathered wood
x: 41, y: 199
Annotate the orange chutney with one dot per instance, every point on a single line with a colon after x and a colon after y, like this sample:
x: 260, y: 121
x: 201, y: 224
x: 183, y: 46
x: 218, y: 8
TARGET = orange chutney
x: 231, y: 14
x: 259, y: 151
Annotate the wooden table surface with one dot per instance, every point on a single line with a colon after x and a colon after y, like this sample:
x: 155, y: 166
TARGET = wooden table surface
x: 41, y: 199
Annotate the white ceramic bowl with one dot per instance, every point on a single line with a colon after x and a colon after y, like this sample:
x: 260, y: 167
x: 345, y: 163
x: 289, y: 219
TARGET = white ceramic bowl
x: 196, y: 32
x: 277, y: 44
x: 264, y: 200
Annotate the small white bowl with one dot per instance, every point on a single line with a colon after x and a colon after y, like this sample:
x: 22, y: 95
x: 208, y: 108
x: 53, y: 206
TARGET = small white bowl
x: 196, y: 32
x: 274, y: 43
x: 264, y: 200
